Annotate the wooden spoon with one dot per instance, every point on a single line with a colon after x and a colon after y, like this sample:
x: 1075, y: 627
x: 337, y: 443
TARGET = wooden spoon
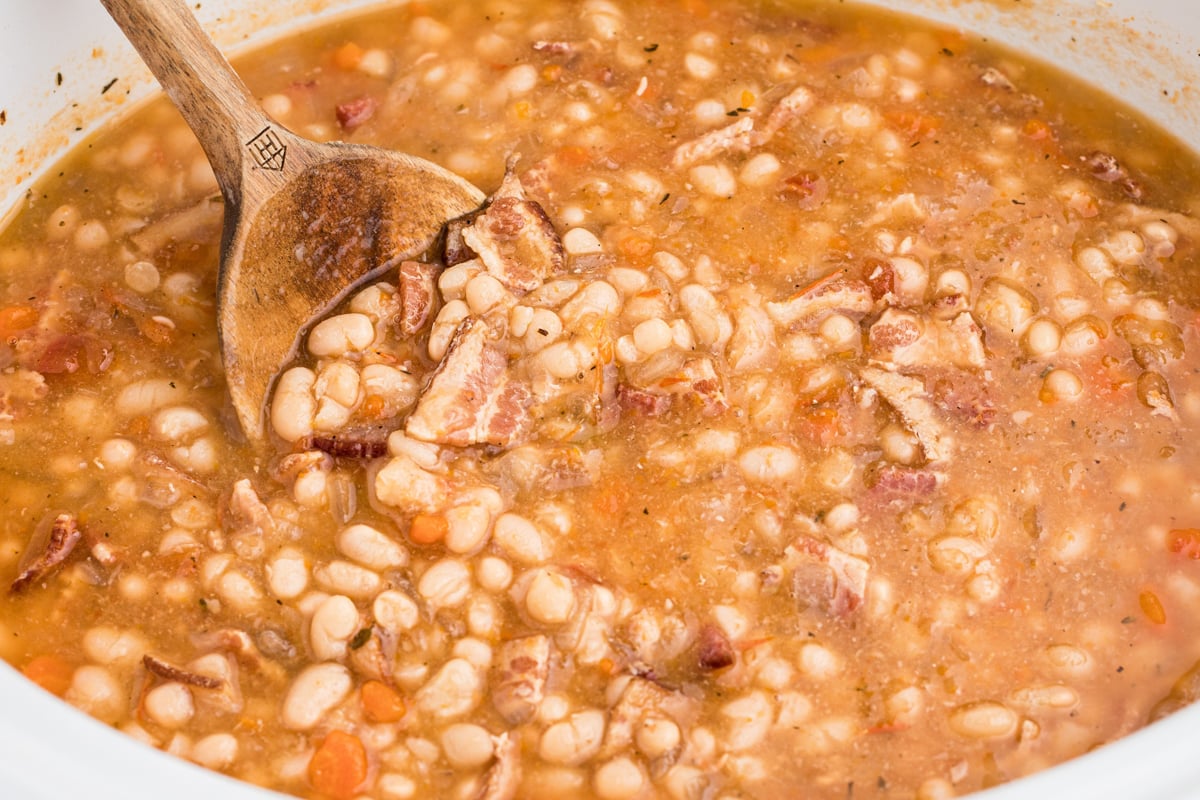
x: 305, y: 223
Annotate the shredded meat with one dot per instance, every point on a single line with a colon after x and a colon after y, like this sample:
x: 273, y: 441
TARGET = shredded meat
x: 43, y: 556
x: 845, y: 584
x: 503, y: 778
x: 907, y: 395
x: 835, y: 292
x: 736, y: 137
x: 1105, y: 167
x: 522, y: 666
x: 172, y: 673
x: 471, y: 398
x: 643, y: 698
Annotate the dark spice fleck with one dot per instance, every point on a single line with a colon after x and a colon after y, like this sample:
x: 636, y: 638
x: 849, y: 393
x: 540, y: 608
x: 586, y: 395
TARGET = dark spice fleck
x: 360, y: 638
x: 650, y: 48
x: 108, y: 86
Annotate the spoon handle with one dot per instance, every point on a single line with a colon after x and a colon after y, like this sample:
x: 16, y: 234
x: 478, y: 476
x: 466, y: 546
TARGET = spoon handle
x: 214, y: 101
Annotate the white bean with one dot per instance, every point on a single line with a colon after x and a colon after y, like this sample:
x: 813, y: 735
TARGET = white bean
x: 521, y: 539
x: 467, y: 528
x: 96, y: 691
x: 347, y: 578
x: 287, y: 574
x: 293, y: 405
x: 983, y: 720
x: 769, y: 464
x: 107, y: 645
x: 750, y: 719
x: 313, y: 694
x: 455, y: 690
x: 618, y: 779
x: 550, y: 598
x: 395, y: 611
x: 446, y: 583
x: 177, y: 424
x: 467, y: 746
x: 371, y: 547
x: 574, y: 740
x: 341, y: 334
x: 216, y: 751
x: 170, y: 705
x: 334, y: 622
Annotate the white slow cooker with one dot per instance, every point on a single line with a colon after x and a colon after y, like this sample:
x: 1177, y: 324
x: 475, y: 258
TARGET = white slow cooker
x: 57, y: 57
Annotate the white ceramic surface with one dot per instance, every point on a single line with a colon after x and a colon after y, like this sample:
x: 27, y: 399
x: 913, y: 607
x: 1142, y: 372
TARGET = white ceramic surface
x: 1146, y: 52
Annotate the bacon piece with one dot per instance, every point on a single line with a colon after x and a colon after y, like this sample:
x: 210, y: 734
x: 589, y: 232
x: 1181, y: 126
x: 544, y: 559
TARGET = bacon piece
x: 966, y: 397
x: 349, y: 444
x: 794, y: 105
x: 172, y: 673
x: 701, y: 383
x: 736, y: 137
x: 742, y: 135
x: 696, y: 379
x: 906, y: 394
x: 847, y: 587
x: 652, y: 404
x: 902, y: 338
x: 713, y: 649
x: 522, y: 667
x: 471, y: 398
x: 897, y: 483
x: 833, y: 292
x: 355, y: 112
x: 246, y: 514
x: 554, y: 48
x: 515, y: 239
x: 416, y: 285
x: 454, y: 249
x: 1105, y: 167
x: 43, y: 556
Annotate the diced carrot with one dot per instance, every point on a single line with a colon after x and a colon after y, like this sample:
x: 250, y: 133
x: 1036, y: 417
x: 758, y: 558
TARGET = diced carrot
x: 347, y: 56
x: 573, y: 155
x: 49, y: 672
x: 635, y: 246
x: 1038, y: 130
x: 552, y: 72
x: 339, y: 766
x: 427, y: 528
x: 1185, y: 542
x: 372, y: 406
x: 697, y: 8
x: 381, y: 703
x: 16, y: 318
x: 915, y: 125
x: 1152, y: 607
